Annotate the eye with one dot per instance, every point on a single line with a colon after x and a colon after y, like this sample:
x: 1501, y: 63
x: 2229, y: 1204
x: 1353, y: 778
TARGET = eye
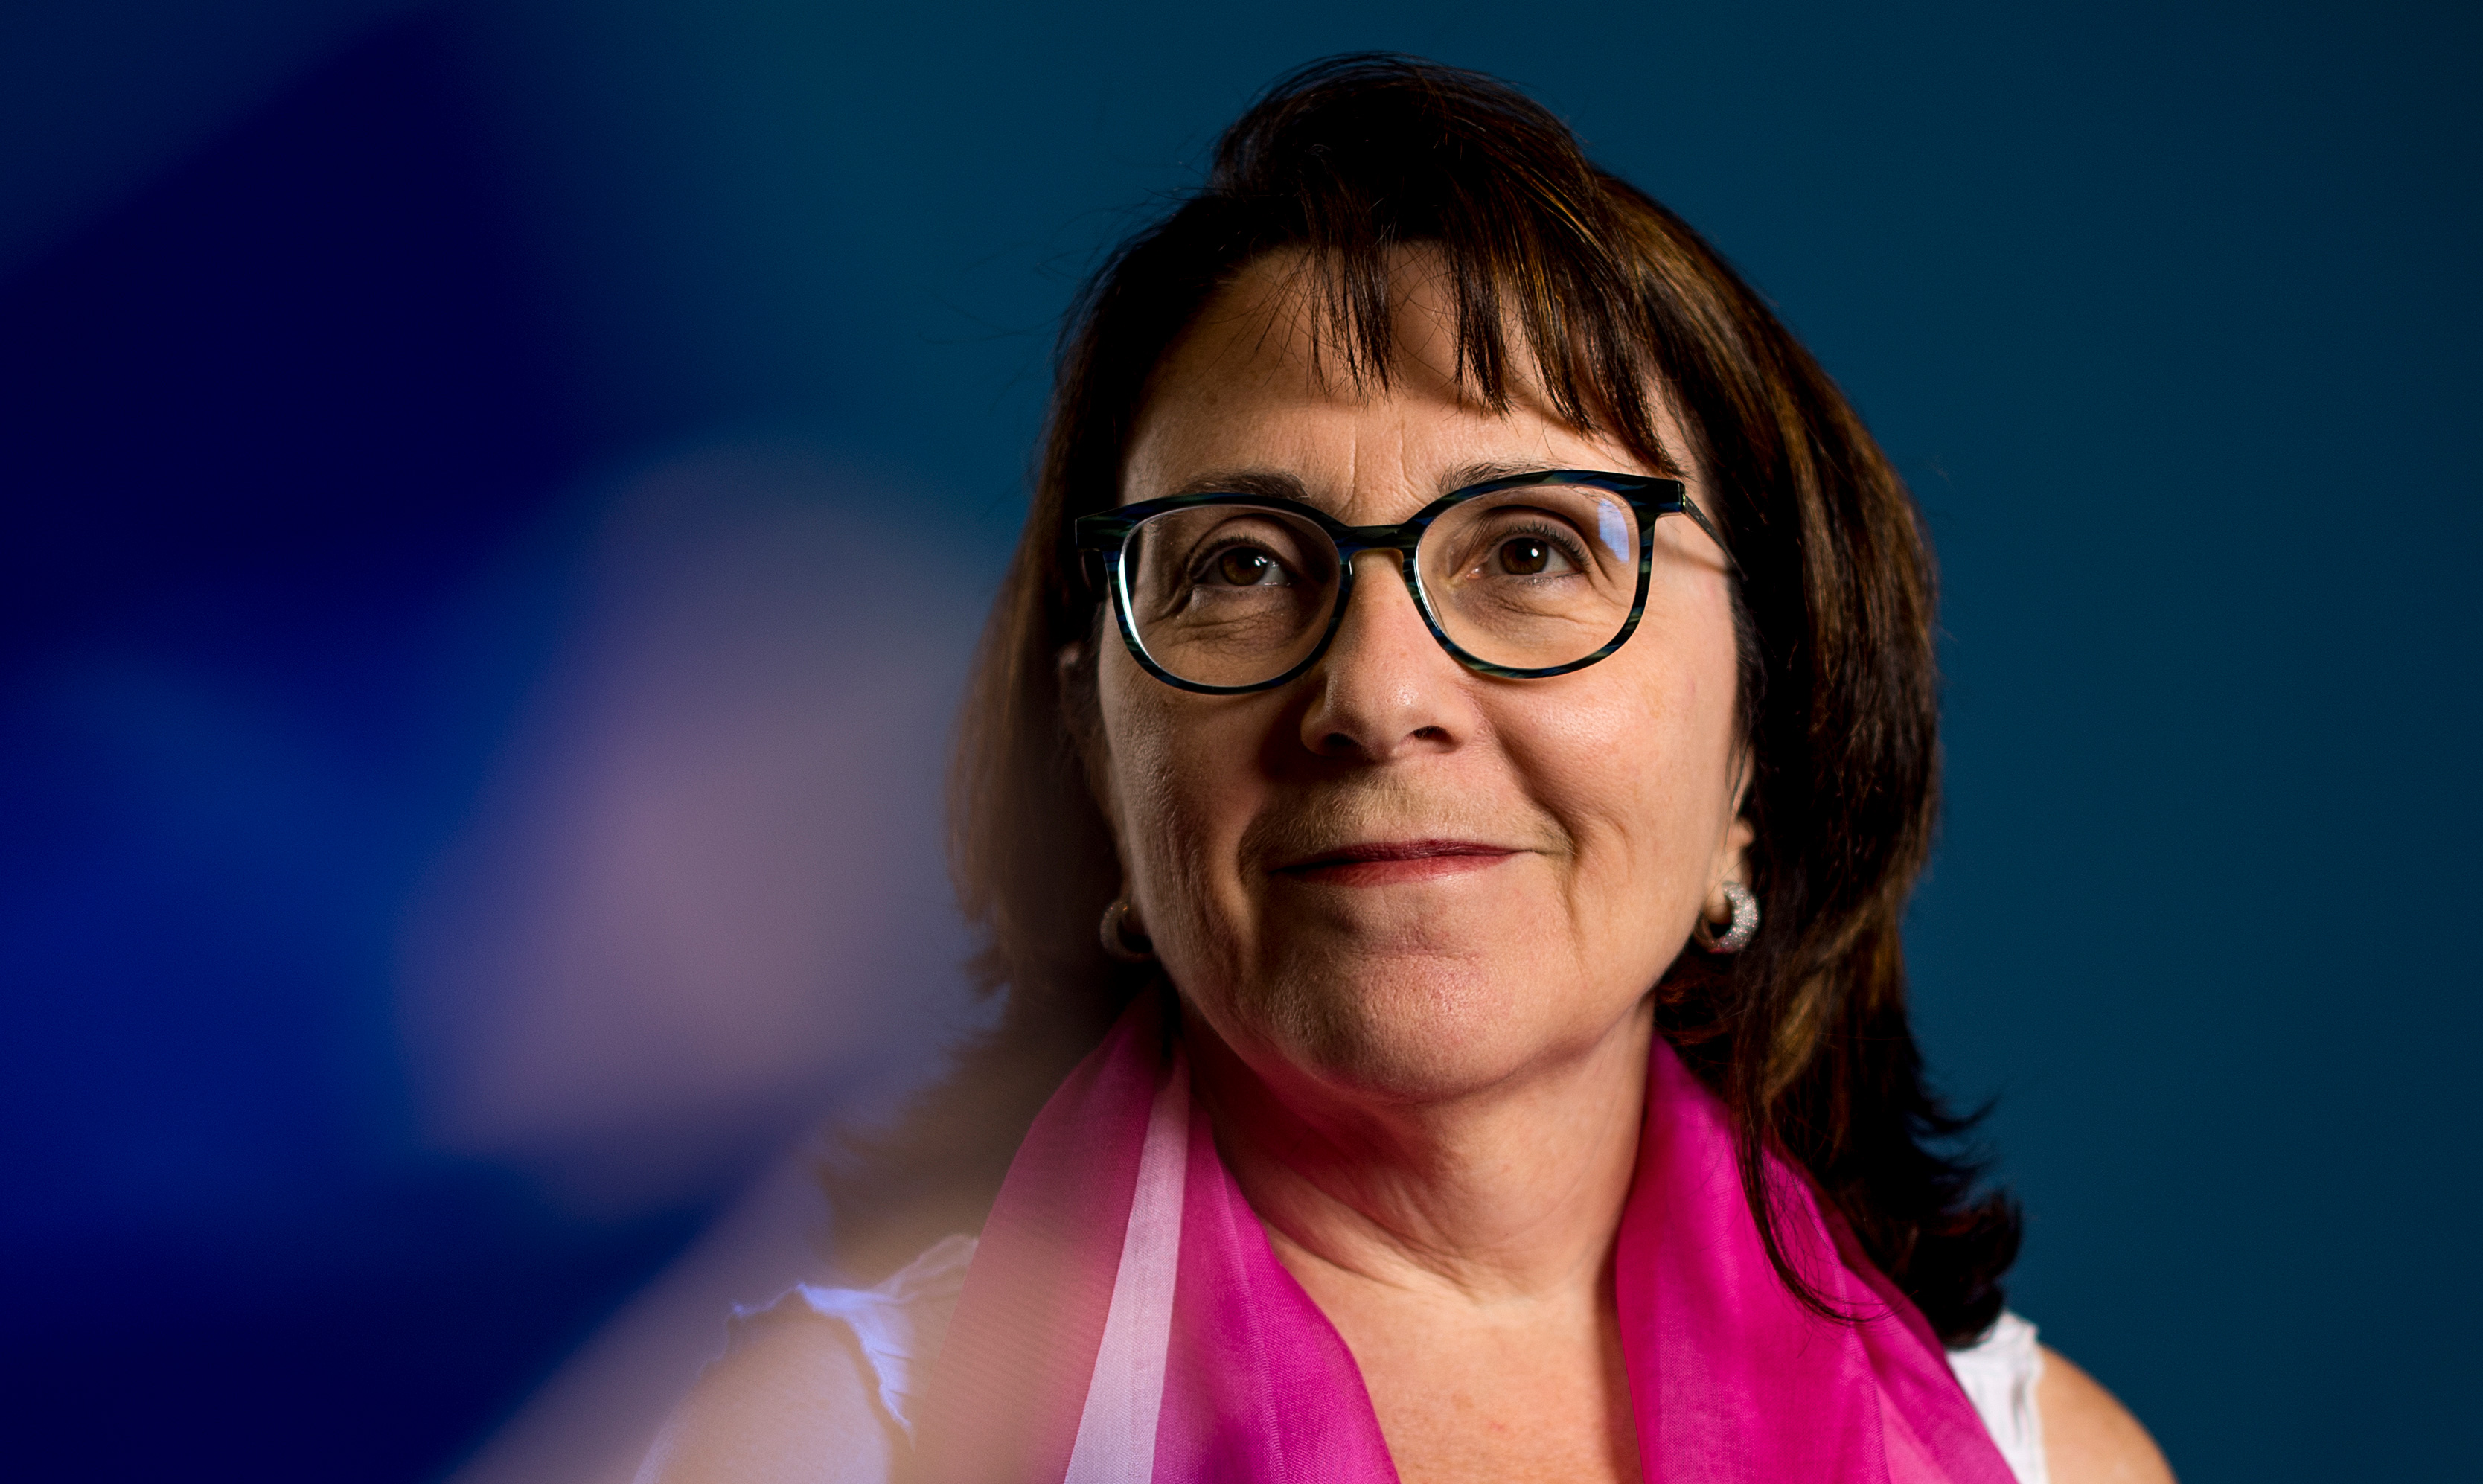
x: 1244, y: 567
x: 1529, y: 556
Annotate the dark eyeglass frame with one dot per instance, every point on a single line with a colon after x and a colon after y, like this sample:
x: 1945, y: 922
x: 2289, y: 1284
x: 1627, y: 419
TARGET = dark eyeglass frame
x: 1102, y: 538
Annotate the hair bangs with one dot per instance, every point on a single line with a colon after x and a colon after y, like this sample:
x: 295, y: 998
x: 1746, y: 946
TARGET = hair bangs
x: 1367, y: 181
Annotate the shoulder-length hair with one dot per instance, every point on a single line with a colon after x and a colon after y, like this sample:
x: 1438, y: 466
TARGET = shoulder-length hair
x: 1561, y: 268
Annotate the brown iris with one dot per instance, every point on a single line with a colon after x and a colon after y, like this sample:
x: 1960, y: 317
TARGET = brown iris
x: 1525, y: 556
x: 1244, y: 567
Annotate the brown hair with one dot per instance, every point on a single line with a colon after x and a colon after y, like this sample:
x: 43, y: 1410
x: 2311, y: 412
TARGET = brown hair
x: 1803, y: 1035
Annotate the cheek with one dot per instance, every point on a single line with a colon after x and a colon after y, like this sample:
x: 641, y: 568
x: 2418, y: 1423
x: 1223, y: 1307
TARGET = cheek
x: 1637, y: 772
x: 1181, y: 789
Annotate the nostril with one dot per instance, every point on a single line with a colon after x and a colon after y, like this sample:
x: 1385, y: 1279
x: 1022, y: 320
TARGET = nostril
x: 1430, y: 734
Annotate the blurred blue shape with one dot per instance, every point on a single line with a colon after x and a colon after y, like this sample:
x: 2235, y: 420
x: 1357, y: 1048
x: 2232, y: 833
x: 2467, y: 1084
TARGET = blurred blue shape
x: 98, y: 97
x: 256, y: 428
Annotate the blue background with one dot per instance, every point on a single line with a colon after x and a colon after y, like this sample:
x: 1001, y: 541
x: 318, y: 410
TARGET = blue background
x: 312, y: 315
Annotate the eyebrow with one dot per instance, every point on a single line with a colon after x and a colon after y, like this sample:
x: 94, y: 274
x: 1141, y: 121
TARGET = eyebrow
x: 1267, y: 484
x: 1476, y: 473
x: 1275, y: 485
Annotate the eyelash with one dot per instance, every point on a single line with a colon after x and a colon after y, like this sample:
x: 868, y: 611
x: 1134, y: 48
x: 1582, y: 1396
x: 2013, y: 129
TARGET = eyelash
x: 1551, y: 535
x: 1557, y: 537
x: 1199, y: 563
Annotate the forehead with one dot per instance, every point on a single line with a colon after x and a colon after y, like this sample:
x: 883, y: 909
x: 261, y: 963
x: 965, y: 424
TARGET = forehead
x: 1261, y: 382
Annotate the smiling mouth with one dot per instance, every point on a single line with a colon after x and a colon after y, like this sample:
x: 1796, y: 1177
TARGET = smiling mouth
x: 1395, y: 860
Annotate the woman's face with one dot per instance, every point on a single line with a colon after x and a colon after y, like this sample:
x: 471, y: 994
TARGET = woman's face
x: 1553, y: 840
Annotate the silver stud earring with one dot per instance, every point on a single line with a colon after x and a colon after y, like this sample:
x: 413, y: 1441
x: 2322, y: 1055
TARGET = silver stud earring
x: 1118, y: 941
x: 1737, y: 933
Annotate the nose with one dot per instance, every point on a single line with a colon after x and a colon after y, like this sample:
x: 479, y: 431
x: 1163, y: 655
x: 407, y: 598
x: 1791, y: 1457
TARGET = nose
x: 1385, y: 688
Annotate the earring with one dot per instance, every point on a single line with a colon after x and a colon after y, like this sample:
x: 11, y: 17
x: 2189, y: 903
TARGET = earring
x: 1118, y: 941
x: 1737, y: 933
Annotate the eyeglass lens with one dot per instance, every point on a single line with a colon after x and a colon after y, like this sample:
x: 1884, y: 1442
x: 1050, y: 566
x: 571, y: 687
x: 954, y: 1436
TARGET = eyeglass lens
x: 1529, y: 578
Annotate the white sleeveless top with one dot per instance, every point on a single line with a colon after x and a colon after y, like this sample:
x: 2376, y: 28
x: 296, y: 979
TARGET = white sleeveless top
x: 897, y: 1328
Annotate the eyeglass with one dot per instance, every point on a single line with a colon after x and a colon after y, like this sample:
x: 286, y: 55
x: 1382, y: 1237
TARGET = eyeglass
x: 1520, y: 577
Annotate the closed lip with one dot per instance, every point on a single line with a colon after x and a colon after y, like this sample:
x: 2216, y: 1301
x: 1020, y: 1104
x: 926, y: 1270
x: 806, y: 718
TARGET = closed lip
x: 1397, y: 859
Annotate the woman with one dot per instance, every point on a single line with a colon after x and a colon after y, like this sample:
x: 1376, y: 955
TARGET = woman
x: 1479, y: 672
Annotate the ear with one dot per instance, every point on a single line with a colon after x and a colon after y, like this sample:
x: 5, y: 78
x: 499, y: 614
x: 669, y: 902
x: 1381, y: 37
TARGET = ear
x: 1732, y: 860
x: 1733, y: 855
x: 1081, y: 705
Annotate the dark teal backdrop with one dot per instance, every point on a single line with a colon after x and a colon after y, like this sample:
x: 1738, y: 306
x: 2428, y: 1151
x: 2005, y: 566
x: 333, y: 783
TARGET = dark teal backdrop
x: 316, y: 320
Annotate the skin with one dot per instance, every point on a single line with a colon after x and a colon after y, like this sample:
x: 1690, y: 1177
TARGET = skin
x: 1426, y: 1083
x: 1425, y: 1073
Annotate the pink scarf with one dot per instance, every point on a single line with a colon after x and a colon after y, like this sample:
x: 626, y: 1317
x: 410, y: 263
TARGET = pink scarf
x: 1125, y: 1320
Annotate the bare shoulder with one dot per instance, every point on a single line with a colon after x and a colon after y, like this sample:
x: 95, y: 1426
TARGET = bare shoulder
x: 2089, y: 1437
x: 791, y: 1403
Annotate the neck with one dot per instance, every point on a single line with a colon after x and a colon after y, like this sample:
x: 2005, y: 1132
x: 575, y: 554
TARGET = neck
x: 1510, y: 1192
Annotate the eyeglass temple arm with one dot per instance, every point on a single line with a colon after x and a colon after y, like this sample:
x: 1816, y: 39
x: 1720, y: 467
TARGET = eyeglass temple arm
x: 1690, y: 507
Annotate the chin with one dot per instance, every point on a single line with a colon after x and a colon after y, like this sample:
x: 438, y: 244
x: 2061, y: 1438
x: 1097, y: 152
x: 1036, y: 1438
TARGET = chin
x: 1426, y: 1030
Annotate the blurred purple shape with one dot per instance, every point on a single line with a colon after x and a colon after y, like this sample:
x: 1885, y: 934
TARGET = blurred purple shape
x: 703, y: 898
